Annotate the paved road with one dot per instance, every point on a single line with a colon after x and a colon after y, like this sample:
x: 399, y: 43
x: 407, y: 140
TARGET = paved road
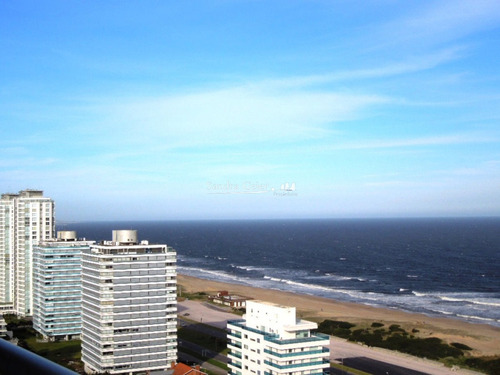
x: 374, y: 367
x: 204, y: 313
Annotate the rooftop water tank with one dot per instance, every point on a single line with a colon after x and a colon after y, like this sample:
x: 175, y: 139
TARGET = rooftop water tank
x: 125, y: 236
x: 66, y: 235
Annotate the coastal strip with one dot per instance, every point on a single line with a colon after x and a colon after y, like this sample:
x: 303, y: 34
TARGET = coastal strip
x: 483, y: 338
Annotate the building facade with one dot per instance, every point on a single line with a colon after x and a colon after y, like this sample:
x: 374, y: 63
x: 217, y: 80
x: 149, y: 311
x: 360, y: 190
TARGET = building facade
x: 57, y: 289
x: 129, y: 306
x: 271, y: 340
x: 224, y: 298
x: 26, y: 218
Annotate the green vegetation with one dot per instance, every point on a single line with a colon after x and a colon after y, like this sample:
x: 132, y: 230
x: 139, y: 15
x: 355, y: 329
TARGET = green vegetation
x: 490, y: 365
x: 13, y: 320
x: 348, y: 370
x: 194, y: 296
x: 65, y: 353
x: 203, y: 339
x: 206, y: 341
x: 396, y: 338
x: 61, y: 352
x: 336, y: 328
x: 205, y: 359
x: 460, y: 346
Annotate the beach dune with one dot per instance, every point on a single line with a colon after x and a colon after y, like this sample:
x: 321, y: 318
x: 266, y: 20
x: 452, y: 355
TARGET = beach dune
x: 483, y: 338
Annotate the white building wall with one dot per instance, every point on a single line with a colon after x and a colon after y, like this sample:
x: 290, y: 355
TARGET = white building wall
x: 269, y: 317
x: 129, y: 308
x: 7, y: 249
x: 26, y: 219
x: 268, y: 341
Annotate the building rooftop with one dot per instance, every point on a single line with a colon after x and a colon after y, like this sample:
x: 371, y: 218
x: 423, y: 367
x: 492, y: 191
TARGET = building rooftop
x: 272, y: 304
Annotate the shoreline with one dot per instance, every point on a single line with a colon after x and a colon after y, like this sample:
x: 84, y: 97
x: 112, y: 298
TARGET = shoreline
x: 483, y: 338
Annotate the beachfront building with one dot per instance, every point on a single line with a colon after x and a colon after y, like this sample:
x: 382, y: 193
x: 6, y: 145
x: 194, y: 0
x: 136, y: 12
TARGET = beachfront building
x: 224, y: 298
x: 271, y: 340
x: 57, y: 290
x: 129, y: 308
x: 26, y: 218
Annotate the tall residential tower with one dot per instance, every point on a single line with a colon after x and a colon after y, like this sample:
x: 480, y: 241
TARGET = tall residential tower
x: 129, y: 307
x: 26, y: 218
x: 57, y: 286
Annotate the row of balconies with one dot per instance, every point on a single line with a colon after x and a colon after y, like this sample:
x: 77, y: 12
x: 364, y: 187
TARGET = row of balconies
x: 317, y: 338
x: 297, y: 354
x: 323, y: 363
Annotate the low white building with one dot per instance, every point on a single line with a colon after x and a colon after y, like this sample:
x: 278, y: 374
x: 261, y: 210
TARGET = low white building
x: 231, y: 300
x: 271, y: 340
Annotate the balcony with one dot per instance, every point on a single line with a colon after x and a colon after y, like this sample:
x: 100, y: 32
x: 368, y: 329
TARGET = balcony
x: 235, y: 335
x: 234, y: 354
x: 240, y: 324
x: 234, y: 364
x: 234, y: 344
x: 314, y: 337
x: 297, y: 365
x: 296, y: 354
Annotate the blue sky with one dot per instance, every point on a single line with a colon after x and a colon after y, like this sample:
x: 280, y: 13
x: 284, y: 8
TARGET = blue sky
x: 125, y: 110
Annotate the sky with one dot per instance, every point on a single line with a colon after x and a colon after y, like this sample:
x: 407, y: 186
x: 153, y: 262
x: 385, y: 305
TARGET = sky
x: 229, y: 109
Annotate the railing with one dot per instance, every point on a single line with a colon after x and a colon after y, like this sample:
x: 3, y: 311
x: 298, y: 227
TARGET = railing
x: 241, y: 324
x: 234, y: 335
x: 295, y: 354
x: 314, y: 337
x: 18, y: 361
x: 296, y: 365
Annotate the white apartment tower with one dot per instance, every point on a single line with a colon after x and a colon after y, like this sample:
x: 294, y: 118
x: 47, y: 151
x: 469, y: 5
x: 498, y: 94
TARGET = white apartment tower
x: 129, y: 307
x: 271, y: 340
x: 26, y: 218
x: 57, y: 286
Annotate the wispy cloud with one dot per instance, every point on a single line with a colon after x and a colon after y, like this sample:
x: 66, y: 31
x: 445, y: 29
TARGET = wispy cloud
x: 233, y: 115
x: 441, y: 21
x: 389, y: 69
x: 437, y: 140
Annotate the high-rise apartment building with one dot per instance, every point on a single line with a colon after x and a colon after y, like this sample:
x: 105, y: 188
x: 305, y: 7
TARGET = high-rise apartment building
x: 26, y: 218
x: 271, y: 340
x: 129, y: 307
x: 57, y: 289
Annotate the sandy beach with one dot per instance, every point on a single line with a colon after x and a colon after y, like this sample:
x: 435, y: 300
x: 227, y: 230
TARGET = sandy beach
x: 483, y: 338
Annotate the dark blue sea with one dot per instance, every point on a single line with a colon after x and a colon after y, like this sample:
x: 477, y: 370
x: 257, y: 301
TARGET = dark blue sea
x: 439, y: 267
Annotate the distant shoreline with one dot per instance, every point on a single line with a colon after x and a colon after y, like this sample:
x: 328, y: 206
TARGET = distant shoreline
x: 483, y: 338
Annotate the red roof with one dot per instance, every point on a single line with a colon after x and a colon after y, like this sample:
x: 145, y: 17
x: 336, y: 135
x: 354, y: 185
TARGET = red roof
x: 183, y: 369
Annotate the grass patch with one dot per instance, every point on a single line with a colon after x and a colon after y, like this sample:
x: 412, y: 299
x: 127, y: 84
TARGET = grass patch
x: 65, y: 353
x: 58, y: 351
x: 347, y: 369
x: 193, y: 296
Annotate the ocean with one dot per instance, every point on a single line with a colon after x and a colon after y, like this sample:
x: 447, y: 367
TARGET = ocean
x: 439, y: 267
